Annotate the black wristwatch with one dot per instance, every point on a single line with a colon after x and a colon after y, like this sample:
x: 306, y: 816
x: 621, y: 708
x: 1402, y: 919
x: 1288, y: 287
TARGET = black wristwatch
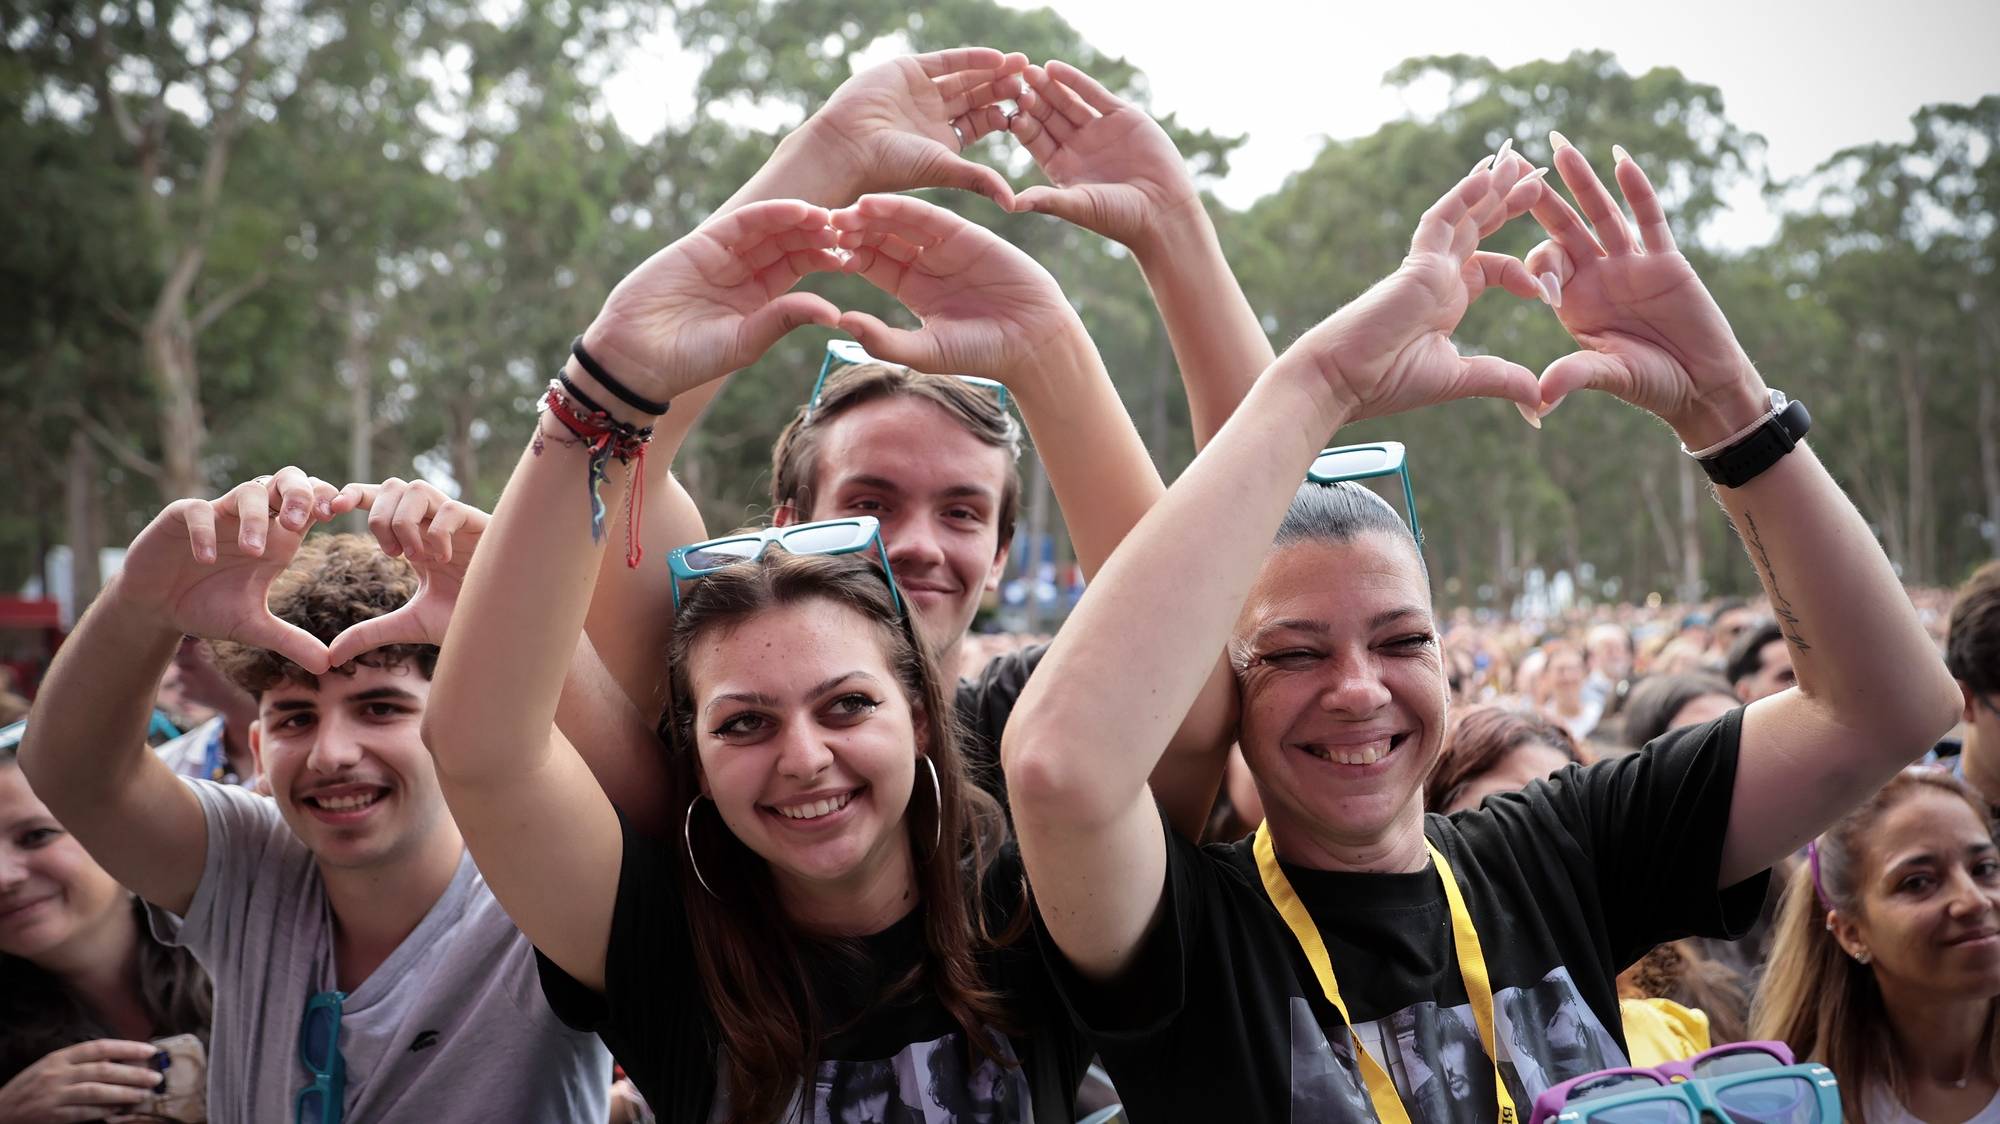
x: 1760, y: 448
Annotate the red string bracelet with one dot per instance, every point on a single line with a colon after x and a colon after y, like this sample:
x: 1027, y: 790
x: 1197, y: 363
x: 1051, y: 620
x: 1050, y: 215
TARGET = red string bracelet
x: 605, y: 437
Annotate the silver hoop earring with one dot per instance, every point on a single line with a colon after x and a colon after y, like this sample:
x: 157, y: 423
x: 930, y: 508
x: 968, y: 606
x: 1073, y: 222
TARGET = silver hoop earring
x: 687, y: 836
x: 937, y: 805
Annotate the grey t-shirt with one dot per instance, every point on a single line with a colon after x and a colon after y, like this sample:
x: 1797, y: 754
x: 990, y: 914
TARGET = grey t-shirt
x: 451, y: 1027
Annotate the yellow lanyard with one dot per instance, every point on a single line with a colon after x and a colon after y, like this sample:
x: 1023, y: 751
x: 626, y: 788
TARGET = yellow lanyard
x: 1471, y: 965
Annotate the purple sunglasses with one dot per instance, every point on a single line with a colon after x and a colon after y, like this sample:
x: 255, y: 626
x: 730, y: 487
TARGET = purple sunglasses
x: 1717, y: 1061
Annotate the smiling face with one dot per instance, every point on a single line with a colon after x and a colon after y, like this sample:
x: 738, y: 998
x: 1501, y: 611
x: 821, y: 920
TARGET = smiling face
x: 807, y: 743
x: 937, y: 490
x: 1929, y: 913
x: 1343, y: 691
x: 347, y: 766
x: 52, y: 894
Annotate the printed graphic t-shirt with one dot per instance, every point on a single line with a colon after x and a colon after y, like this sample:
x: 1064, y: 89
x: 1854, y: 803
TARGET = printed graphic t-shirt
x: 1568, y: 882
x: 451, y: 1027
x: 905, y: 1062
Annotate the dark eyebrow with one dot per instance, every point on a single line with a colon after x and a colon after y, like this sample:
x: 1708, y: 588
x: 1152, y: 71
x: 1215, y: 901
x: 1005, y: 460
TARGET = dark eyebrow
x: 879, y: 483
x: 373, y: 694
x: 758, y: 698
x: 1394, y: 615
x: 884, y: 484
x: 391, y: 694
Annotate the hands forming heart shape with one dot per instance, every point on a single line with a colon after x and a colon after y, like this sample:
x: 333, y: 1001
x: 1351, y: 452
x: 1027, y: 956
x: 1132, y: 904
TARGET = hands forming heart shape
x: 205, y: 567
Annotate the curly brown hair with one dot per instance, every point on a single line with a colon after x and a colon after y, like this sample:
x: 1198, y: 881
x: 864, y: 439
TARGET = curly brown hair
x: 336, y: 581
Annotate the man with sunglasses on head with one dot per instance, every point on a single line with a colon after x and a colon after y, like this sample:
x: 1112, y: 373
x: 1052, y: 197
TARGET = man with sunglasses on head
x: 933, y: 456
x: 363, y: 970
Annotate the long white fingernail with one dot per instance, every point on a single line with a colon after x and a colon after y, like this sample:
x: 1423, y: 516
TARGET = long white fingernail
x: 1506, y: 146
x: 1619, y: 155
x: 1528, y: 416
x: 1557, y: 140
x: 1552, y: 290
x: 1485, y: 162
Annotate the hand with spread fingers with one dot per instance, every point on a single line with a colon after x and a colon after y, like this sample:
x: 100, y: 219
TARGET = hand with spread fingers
x: 205, y: 567
x: 413, y: 520
x: 1391, y: 350
x: 1652, y: 334
x: 1114, y: 169
x: 716, y: 299
x: 902, y: 124
x: 987, y: 308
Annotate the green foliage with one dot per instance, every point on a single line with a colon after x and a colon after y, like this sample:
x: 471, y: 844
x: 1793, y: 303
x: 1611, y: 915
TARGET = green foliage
x: 425, y: 201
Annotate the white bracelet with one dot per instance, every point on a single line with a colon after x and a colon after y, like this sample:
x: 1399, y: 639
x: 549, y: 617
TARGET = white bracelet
x: 1778, y: 404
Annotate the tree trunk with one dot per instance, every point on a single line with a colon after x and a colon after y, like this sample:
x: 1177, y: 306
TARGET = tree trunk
x: 1656, y: 514
x: 1989, y: 455
x: 82, y: 515
x: 360, y: 376
x: 1165, y: 381
x: 1690, y: 590
x: 464, y: 452
x: 169, y: 351
x: 1913, y: 383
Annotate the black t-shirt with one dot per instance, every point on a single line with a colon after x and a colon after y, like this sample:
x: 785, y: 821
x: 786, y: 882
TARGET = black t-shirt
x: 984, y: 704
x: 888, y: 1064
x: 1568, y: 882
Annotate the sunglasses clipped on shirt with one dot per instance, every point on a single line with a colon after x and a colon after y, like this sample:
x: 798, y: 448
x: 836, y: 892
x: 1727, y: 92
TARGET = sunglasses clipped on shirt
x: 1741, y: 1083
x: 827, y: 536
x: 1366, y: 462
x: 320, y: 1102
x: 847, y: 353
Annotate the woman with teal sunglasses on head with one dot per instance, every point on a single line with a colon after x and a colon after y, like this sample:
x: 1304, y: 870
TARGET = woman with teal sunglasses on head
x: 1315, y: 969
x: 831, y: 908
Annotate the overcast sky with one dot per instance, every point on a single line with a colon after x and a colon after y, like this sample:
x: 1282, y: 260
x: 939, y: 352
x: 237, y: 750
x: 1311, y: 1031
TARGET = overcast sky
x: 1812, y: 77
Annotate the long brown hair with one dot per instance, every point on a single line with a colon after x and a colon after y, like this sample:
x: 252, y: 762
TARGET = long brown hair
x: 39, y: 1015
x: 1479, y: 740
x: 1815, y: 997
x: 750, y: 957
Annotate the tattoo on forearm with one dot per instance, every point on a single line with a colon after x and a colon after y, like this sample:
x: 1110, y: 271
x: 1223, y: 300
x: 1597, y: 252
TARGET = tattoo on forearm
x: 1788, y: 619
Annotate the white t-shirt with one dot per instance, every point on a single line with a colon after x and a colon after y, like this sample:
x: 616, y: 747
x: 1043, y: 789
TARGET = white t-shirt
x: 1882, y: 1109
x: 451, y: 1027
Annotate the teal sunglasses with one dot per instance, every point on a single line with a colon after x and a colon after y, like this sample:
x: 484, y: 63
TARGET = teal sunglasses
x: 1806, y: 1093
x: 1365, y: 462
x: 828, y: 536
x: 320, y: 1102
x: 847, y: 353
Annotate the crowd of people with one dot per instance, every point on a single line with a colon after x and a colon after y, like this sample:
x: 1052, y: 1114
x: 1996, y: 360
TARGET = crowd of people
x: 572, y: 812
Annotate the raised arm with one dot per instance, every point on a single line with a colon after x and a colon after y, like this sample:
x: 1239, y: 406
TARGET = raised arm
x: 200, y: 568
x: 542, y: 830
x: 438, y: 536
x: 1872, y: 695
x: 1094, y: 720
x: 897, y: 125
x: 1116, y: 172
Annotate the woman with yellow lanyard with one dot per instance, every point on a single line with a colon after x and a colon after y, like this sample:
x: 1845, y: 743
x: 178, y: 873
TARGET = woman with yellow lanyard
x: 1340, y: 963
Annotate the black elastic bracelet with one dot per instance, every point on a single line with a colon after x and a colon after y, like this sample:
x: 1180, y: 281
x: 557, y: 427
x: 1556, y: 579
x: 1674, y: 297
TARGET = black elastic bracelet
x: 618, y: 389
x: 582, y: 399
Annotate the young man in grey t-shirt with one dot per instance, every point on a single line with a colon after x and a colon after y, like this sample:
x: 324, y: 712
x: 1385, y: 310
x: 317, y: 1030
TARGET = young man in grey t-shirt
x: 341, y: 919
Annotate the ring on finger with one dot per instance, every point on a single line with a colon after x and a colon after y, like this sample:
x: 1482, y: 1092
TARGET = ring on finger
x: 959, y: 133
